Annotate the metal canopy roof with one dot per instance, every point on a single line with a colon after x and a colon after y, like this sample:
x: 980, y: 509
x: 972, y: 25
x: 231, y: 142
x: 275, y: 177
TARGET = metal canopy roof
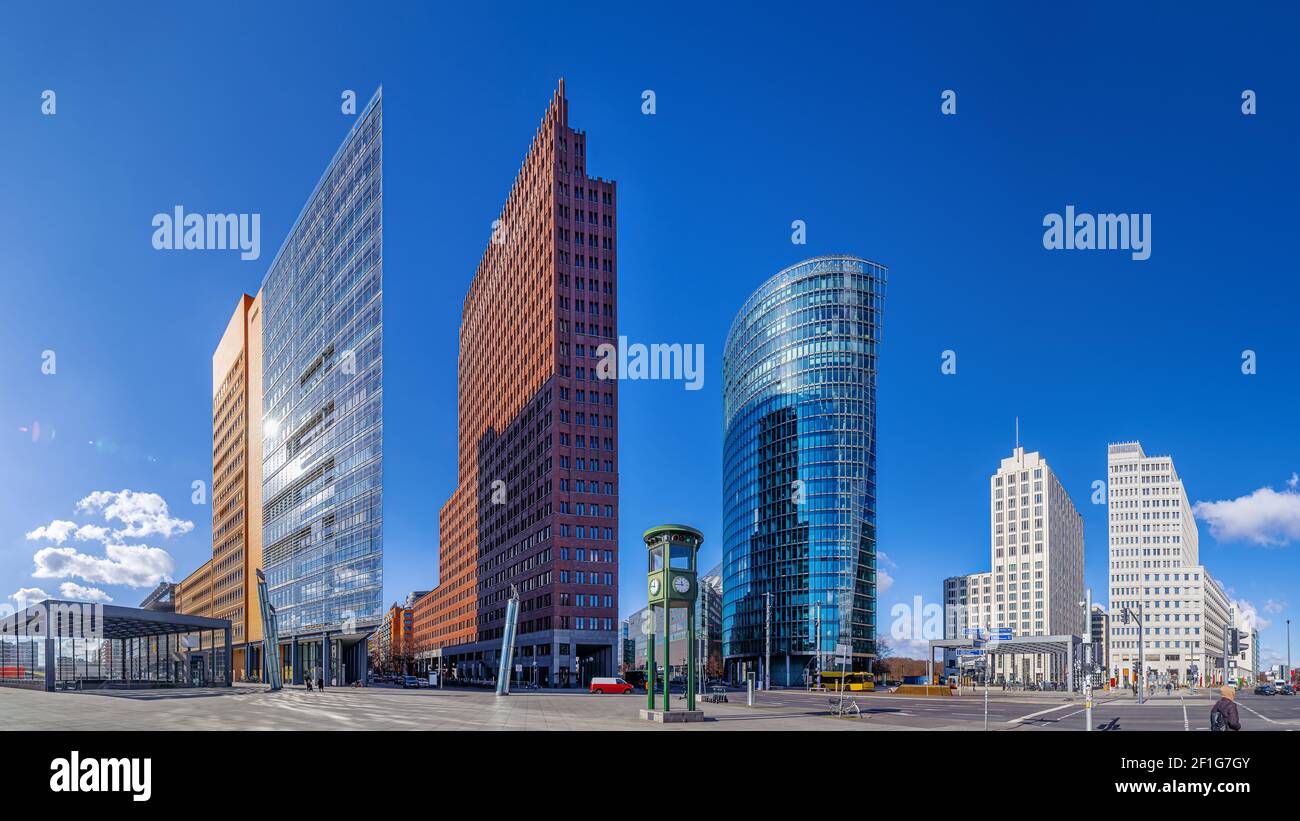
x: 1051, y: 645
x: 126, y: 622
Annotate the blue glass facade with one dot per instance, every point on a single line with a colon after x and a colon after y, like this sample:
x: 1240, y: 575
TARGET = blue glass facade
x: 799, y: 467
x: 322, y: 305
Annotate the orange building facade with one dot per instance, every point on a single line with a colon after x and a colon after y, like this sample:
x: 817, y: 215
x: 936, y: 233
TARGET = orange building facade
x: 535, y: 508
x: 396, y: 640
x: 225, y: 587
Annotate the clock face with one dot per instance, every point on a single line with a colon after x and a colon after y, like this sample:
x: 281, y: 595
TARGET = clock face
x: 654, y: 587
x: 681, y: 584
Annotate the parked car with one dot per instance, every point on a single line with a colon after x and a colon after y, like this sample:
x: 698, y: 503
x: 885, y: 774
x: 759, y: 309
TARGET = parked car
x: 412, y: 681
x: 1263, y: 690
x: 1283, y: 689
x: 601, y: 686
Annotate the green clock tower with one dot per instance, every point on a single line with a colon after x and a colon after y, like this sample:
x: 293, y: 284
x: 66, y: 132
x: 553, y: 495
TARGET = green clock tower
x: 671, y: 582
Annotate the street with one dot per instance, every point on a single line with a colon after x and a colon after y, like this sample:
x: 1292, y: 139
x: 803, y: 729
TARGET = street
x: 1047, y: 711
x: 385, y: 708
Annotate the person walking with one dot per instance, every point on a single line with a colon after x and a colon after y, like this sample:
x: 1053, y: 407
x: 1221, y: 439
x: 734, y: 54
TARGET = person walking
x: 1223, y: 715
x: 1169, y: 688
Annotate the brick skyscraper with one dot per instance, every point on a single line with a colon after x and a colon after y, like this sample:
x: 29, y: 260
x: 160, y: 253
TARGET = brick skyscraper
x: 536, y: 502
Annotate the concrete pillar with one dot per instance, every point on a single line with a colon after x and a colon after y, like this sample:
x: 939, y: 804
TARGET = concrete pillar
x: 325, y: 659
x: 553, y: 679
x: 230, y: 659
x: 50, y: 659
x: 363, y: 661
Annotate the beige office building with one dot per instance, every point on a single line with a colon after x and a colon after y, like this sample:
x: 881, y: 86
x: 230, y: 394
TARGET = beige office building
x: 1036, y: 535
x: 1155, y: 566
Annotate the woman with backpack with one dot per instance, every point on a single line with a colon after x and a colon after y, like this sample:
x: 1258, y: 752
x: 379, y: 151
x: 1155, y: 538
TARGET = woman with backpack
x: 1223, y: 715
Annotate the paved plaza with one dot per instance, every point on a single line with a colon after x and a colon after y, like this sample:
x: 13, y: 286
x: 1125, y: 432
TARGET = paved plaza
x: 388, y: 708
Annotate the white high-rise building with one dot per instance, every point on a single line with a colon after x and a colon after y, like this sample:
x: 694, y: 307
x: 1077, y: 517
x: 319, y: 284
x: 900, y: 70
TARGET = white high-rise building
x: 1037, y: 550
x: 1155, y: 564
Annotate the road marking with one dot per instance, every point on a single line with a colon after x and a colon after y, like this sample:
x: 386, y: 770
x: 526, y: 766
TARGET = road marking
x: 1040, y: 713
x: 1186, y: 728
x: 1261, y: 715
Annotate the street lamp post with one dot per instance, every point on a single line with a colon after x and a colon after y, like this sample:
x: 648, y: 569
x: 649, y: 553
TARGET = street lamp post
x: 1140, y: 672
x: 1086, y: 661
x: 817, y: 647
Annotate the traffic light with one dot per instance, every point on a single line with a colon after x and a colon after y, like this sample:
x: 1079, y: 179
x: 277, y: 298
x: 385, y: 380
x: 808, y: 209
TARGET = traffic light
x: 1234, y: 642
x: 1124, y: 615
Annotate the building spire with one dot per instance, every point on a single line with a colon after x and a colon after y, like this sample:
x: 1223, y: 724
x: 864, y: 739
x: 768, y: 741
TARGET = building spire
x: 1017, y: 433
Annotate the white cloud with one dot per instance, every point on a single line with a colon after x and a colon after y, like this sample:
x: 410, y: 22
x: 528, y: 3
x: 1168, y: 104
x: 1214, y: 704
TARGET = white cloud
x: 1270, y: 657
x: 27, y: 596
x: 1273, y: 606
x: 130, y: 565
x: 1264, y: 517
x: 56, y: 531
x: 59, y: 530
x: 144, y: 514
x: 884, y: 581
x: 909, y: 648
x: 1250, y: 616
x: 75, y: 592
x: 87, y: 533
x: 138, y: 565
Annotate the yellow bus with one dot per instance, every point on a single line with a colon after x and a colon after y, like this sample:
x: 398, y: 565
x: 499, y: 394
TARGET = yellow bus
x: 836, y: 681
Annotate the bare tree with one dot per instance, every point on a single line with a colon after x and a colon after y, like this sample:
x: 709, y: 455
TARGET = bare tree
x: 715, y: 667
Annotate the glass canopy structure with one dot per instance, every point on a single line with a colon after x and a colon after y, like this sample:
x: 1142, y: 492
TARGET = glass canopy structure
x: 63, y: 645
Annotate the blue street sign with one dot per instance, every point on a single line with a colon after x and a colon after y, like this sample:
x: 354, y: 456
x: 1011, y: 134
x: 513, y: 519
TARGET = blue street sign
x: 970, y: 651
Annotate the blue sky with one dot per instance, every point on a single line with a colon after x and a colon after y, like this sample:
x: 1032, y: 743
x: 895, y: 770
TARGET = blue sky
x: 764, y: 115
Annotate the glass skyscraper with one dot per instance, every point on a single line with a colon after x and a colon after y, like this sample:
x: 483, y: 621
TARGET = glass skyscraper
x: 322, y: 418
x: 799, y: 469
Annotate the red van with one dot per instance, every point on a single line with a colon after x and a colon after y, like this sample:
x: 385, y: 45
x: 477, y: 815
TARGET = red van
x: 600, y: 686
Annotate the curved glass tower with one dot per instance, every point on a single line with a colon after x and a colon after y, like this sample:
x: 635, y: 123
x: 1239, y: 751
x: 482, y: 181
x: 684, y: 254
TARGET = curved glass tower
x: 799, y: 469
